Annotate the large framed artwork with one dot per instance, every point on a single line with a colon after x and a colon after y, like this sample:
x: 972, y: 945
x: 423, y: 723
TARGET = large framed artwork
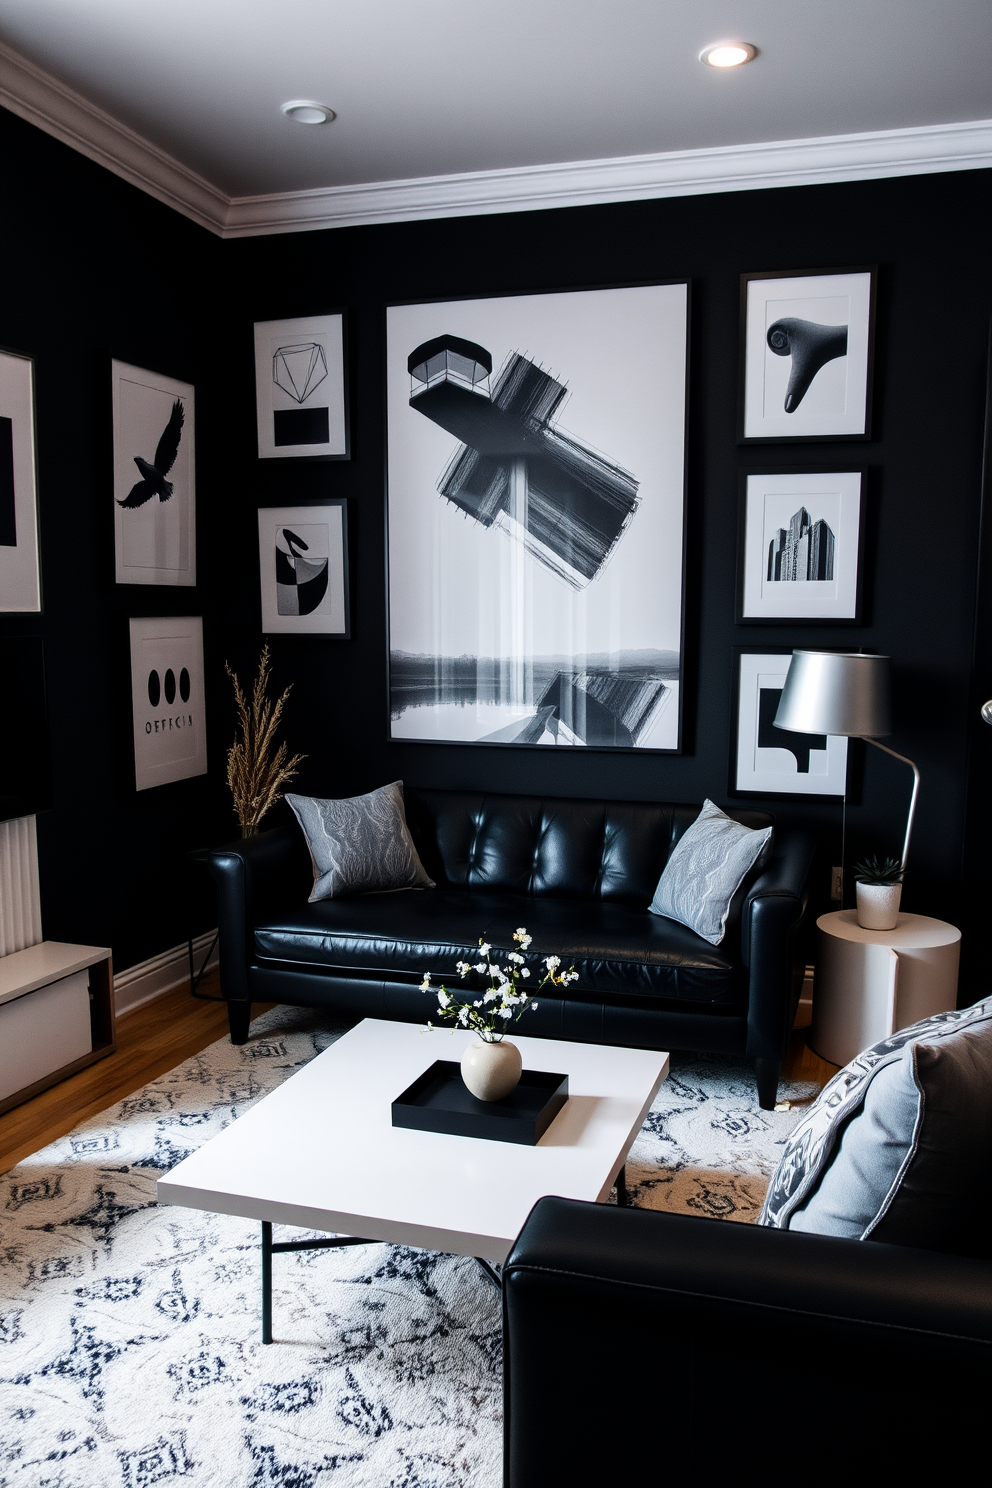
x: 806, y: 355
x: 20, y: 583
x: 766, y: 761
x: 800, y: 547
x: 303, y: 567
x: 536, y: 480
x: 154, y: 477
x: 170, y: 736
x: 301, y: 395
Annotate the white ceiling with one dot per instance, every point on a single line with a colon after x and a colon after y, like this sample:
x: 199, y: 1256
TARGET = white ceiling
x: 426, y: 88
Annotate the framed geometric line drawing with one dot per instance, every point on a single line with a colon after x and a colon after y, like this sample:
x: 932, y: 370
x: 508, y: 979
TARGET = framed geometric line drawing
x: 800, y: 547
x: 536, y: 498
x: 170, y: 736
x: 20, y: 581
x: 806, y: 355
x: 303, y: 569
x: 766, y: 761
x: 301, y: 398
x: 154, y: 477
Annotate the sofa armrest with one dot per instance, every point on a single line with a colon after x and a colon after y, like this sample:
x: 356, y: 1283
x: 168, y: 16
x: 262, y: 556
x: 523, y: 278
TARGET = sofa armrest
x: 772, y: 943
x: 618, y: 1322
x: 253, y: 877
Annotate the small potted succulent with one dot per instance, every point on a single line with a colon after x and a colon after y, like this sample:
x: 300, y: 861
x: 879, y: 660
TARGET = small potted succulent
x: 878, y: 886
x: 491, y: 1067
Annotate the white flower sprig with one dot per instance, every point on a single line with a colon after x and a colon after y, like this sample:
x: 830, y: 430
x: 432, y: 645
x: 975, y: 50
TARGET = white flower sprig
x: 503, y: 998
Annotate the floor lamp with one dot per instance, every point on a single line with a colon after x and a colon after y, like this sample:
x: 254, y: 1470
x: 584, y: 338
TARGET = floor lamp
x: 843, y: 693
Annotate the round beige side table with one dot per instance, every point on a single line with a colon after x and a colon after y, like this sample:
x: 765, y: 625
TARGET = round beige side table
x: 868, y: 983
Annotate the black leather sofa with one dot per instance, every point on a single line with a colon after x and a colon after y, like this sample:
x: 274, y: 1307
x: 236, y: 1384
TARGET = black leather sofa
x: 578, y: 874
x: 640, y: 1345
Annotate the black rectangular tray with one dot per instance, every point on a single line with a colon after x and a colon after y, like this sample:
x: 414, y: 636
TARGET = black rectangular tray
x: 439, y: 1101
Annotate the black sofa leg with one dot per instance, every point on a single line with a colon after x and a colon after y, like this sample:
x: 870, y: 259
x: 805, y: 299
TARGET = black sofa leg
x: 239, y: 1017
x: 767, y: 1073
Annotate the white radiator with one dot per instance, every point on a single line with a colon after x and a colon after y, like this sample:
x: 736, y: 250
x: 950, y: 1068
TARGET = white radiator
x: 20, y: 897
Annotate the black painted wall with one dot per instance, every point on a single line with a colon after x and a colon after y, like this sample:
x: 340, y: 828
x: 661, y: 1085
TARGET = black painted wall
x: 126, y: 274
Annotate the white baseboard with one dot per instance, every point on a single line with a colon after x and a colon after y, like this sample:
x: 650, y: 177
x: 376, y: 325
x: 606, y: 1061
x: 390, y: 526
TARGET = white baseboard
x: 150, y: 979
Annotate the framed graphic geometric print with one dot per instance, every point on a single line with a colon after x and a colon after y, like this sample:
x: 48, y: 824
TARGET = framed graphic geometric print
x: 300, y: 391
x: 170, y: 734
x: 20, y: 583
x: 303, y: 569
x: 801, y: 538
x: 154, y: 477
x: 767, y: 761
x: 536, y: 493
x: 806, y: 352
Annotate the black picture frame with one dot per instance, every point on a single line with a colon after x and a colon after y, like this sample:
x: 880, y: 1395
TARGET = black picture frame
x: 423, y: 673
x: 838, y: 499
x: 751, y: 720
x: 767, y: 376
x: 318, y: 529
x: 284, y: 400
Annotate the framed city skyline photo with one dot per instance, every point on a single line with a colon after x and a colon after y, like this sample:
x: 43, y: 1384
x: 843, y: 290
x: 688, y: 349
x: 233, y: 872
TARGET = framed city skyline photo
x: 20, y: 578
x: 536, y: 495
x: 800, y: 547
x: 154, y: 477
x: 806, y: 354
x: 766, y: 761
x: 303, y: 568
x: 170, y: 735
x: 301, y: 396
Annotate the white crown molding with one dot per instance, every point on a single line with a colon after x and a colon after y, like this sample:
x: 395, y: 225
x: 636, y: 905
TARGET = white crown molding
x: 850, y: 157
x: 36, y: 96
x: 42, y: 100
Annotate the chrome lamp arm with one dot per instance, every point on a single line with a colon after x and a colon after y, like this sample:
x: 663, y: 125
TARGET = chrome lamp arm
x: 912, y: 800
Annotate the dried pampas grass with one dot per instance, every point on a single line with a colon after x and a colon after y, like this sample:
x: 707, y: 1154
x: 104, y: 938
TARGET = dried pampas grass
x: 254, y: 772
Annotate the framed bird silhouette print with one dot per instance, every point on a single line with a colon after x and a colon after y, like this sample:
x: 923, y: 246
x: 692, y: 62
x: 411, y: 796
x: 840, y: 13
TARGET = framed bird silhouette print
x: 20, y: 588
x: 806, y: 353
x: 154, y: 477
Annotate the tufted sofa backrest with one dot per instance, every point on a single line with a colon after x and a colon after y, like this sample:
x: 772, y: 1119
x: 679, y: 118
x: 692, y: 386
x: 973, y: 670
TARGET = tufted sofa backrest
x: 568, y: 848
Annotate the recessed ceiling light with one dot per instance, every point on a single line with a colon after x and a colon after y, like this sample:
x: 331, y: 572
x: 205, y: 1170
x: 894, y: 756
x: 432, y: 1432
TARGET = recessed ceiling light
x: 305, y: 111
x: 728, y: 53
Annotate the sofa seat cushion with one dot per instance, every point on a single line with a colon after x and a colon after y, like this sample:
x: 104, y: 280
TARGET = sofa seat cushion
x: 617, y: 951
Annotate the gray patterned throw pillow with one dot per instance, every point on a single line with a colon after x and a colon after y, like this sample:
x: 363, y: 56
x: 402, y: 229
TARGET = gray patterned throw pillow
x: 360, y: 844
x: 707, y: 866
x: 891, y: 1148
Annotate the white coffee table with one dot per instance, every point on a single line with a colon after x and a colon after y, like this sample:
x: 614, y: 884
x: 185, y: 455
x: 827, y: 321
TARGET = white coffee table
x: 321, y: 1152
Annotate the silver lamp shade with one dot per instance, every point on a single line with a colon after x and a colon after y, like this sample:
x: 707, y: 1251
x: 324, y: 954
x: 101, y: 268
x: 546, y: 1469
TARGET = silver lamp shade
x: 836, y: 692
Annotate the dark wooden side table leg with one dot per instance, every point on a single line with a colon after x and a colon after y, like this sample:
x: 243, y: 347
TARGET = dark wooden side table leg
x: 621, y: 1187
x: 266, y: 1281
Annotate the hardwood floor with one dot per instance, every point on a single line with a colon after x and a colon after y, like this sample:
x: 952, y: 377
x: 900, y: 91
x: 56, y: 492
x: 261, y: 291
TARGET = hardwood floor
x: 163, y: 1033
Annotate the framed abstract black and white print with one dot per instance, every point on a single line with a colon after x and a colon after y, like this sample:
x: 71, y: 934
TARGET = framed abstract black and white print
x: 154, y: 477
x: 766, y: 761
x: 806, y: 355
x: 536, y: 495
x: 303, y: 569
x: 801, y: 541
x: 20, y: 584
x: 301, y: 395
x: 170, y: 735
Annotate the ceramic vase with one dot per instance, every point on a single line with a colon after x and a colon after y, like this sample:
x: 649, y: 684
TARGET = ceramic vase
x: 491, y: 1071
x: 878, y: 905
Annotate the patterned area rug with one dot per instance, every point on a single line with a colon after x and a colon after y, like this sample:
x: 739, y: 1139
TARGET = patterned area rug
x: 129, y: 1334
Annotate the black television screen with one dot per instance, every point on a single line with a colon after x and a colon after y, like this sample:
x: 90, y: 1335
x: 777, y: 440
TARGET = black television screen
x: 25, y: 753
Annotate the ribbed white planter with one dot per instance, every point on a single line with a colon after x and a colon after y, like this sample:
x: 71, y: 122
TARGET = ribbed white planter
x: 491, y: 1071
x: 878, y: 905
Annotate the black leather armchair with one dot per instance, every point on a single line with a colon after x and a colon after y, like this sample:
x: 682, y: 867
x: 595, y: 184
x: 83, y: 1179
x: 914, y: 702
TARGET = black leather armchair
x: 579, y: 874
x: 639, y: 1344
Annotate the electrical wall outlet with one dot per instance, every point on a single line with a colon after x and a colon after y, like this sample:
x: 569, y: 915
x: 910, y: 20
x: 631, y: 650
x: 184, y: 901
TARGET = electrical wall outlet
x: 837, y: 884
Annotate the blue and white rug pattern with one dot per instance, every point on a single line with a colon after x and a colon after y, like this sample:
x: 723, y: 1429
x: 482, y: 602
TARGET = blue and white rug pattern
x: 130, y: 1354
